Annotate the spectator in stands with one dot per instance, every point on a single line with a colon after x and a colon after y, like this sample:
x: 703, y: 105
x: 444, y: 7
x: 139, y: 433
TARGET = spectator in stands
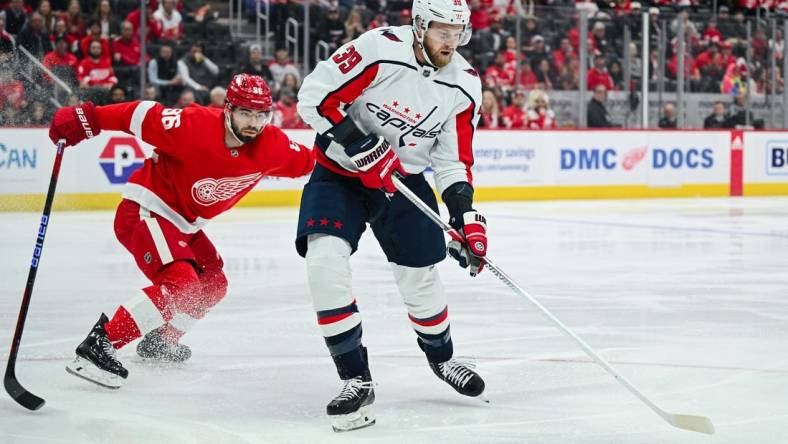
x: 379, y: 21
x: 153, y: 27
x: 110, y: 27
x: 186, y: 98
x: 150, y: 93
x: 170, y: 19
x: 15, y: 17
x: 531, y: 29
x: 117, y: 94
x: 332, y: 30
x: 291, y: 81
x: 668, y: 120
x: 544, y: 75
x: 514, y: 116
x: 691, y: 31
x: 198, y: 72
x: 163, y: 74
x: 734, y: 81
x: 718, y: 117
x: 738, y: 30
x: 285, y: 113
x: 255, y: 65
x: 353, y: 25
x: 738, y: 116
x: 561, y: 55
x: 404, y: 17
x: 616, y: 74
x: 36, y: 114
x: 711, y: 33
x: 598, y: 75
x: 490, y: 111
x: 6, y: 45
x: 490, y: 41
x: 34, y: 37
x: 635, y: 66
x: 569, y: 77
x: 724, y: 23
x: 538, y: 112
x: 126, y: 54
x: 126, y: 50
x: 536, y: 51
x: 528, y: 77
x: 510, y: 51
x: 498, y: 74
x: 282, y: 65
x: 95, y: 74
x: 599, y: 40
x: 50, y: 18
x: 94, y: 34
x: 480, y: 17
x: 61, y: 62
x: 218, y: 96
x: 75, y: 23
x: 12, y: 93
x: 598, y: 117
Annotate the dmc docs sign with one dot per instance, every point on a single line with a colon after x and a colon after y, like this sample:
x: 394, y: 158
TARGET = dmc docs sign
x: 651, y: 158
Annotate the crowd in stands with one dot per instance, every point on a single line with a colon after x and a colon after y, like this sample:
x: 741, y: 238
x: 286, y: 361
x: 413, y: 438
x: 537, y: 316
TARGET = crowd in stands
x: 94, y: 47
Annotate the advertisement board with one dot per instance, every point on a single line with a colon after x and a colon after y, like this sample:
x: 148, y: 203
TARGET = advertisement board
x: 508, y: 165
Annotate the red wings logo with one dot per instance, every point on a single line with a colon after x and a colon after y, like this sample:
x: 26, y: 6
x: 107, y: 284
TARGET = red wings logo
x: 208, y: 191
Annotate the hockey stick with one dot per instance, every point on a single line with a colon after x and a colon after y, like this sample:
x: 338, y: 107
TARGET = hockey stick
x: 12, y: 385
x: 693, y: 423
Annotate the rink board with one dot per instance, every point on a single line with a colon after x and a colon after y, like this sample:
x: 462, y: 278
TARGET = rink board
x: 509, y: 165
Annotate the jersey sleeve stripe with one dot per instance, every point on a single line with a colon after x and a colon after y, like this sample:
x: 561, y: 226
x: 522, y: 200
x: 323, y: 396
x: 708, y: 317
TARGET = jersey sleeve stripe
x: 135, y: 126
x: 464, y: 125
x: 330, y: 106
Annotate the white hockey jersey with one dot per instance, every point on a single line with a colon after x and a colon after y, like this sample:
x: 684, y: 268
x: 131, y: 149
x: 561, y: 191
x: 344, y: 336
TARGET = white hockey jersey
x: 429, y: 117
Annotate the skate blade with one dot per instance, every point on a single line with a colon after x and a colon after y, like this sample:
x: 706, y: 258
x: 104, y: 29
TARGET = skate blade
x: 483, y: 398
x: 82, y: 368
x: 353, y: 421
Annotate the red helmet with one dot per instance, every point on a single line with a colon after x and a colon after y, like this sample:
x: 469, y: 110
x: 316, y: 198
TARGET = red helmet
x: 248, y: 91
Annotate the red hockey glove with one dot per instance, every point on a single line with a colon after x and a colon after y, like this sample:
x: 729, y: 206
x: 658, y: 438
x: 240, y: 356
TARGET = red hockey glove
x: 74, y: 123
x: 376, y: 162
x: 471, y: 250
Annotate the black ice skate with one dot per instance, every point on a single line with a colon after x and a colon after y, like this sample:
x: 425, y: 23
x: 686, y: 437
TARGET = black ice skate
x: 95, y: 360
x: 352, y: 408
x: 155, y: 347
x: 461, y: 377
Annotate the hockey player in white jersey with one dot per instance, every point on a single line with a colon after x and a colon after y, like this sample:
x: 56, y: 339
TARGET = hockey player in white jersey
x: 397, y: 99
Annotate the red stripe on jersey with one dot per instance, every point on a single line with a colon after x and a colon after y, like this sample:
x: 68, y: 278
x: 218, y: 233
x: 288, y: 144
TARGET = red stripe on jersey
x: 347, y: 94
x: 464, y: 124
x: 332, y: 319
x: 432, y: 322
x: 330, y: 165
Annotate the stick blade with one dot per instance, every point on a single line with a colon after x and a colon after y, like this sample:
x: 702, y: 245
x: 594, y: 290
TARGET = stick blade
x: 21, y: 395
x: 693, y: 423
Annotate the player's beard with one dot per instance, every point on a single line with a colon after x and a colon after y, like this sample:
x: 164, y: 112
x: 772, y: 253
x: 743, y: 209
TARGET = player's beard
x: 436, y: 57
x: 240, y: 135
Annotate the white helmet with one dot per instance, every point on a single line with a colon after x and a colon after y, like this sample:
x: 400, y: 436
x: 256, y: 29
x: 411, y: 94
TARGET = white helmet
x: 452, y: 12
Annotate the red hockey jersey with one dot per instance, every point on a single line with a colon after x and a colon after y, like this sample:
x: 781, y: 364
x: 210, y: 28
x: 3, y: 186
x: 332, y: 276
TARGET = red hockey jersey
x: 193, y: 176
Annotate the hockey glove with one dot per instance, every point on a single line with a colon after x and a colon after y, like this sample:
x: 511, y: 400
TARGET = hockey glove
x: 74, y: 123
x: 470, y: 251
x: 376, y: 162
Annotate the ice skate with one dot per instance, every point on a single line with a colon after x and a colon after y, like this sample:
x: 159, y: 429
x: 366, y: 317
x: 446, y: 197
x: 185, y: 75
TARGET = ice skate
x: 352, y: 408
x: 461, y: 377
x: 95, y: 360
x: 157, y: 348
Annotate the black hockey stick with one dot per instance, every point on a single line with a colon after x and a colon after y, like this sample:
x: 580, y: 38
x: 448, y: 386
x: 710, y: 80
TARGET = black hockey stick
x: 12, y: 385
x: 692, y: 423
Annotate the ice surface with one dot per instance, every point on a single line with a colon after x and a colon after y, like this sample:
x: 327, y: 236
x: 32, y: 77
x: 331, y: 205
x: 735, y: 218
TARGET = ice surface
x: 687, y: 298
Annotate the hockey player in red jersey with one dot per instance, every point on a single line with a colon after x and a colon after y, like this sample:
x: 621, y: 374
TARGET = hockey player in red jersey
x: 204, y: 161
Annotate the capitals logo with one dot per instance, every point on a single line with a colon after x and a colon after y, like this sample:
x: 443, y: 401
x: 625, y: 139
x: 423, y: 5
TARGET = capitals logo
x: 121, y: 157
x: 208, y: 191
x: 406, y: 119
